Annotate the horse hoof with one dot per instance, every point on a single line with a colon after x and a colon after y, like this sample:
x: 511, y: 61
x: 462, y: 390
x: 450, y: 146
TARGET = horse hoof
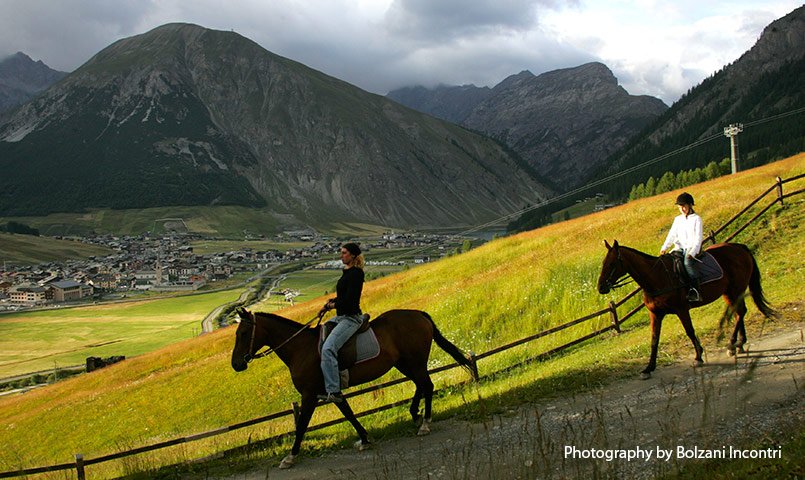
x: 424, y: 429
x: 288, y: 462
x: 731, y: 352
x: 645, y: 375
x: 360, y: 446
x: 741, y: 349
x: 697, y: 363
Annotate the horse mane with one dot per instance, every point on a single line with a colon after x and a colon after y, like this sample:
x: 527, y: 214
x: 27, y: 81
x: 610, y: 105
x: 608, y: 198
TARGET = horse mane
x: 642, y: 254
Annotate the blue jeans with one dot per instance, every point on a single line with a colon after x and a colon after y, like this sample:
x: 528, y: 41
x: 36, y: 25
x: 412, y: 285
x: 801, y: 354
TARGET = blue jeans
x: 691, y: 266
x: 346, y: 326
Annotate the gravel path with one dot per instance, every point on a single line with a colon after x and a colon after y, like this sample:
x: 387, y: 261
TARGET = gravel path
x: 753, y: 399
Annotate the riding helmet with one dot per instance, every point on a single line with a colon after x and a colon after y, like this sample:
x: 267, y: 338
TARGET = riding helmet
x: 684, y: 199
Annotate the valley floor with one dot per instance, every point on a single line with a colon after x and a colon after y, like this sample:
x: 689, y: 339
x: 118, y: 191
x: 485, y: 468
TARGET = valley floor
x: 751, y: 402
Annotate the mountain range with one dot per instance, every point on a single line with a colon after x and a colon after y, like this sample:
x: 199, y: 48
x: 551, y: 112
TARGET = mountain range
x: 761, y: 91
x: 564, y: 123
x: 21, y: 79
x: 184, y: 115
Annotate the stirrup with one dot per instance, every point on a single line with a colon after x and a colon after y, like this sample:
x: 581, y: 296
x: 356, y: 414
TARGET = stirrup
x: 693, y: 295
x: 331, y: 398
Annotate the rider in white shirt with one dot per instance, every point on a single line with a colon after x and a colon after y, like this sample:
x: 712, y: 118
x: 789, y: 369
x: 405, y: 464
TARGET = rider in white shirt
x: 685, y: 239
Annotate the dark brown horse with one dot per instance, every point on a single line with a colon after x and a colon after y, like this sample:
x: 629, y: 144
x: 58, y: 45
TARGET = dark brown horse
x: 664, y: 293
x: 404, y: 336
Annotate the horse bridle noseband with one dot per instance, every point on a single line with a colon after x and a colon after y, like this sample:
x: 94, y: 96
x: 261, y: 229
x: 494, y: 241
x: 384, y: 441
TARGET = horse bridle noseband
x: 617, y: 283
x: 248, y: 357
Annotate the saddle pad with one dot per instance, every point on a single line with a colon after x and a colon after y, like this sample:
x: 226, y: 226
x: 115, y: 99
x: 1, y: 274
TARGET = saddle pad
x: 709, y: 269
x: 366, y: 345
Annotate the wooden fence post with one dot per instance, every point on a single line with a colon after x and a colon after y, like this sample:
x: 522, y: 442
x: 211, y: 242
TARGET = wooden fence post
x: 613, y: 313
x: 474, y: 364
x: 780, y: 190
x: 79, y: 466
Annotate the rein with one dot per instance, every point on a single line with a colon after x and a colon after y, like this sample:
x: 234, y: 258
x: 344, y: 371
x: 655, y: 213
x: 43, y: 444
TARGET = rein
x: 248, y: 357
x: 620, y: 283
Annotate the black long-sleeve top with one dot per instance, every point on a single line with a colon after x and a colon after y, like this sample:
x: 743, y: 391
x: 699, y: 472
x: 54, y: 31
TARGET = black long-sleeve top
x: 348, y: 291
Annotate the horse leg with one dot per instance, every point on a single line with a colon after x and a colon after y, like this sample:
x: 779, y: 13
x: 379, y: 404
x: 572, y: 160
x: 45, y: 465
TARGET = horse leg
x: 346, y: 410
x: 305, y: 414
x: 424, y: 389
x: 656, y: 326
x: 425, y: 385
x: 414, y: 408
x: 687, y: 324
x: 738, y: 338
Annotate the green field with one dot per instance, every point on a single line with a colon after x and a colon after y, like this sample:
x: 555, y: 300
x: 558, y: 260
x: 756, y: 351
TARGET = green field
x: 500, y: 292
x: 47, y: 339
x: 229, y: 221
x: 31, y: 250
x: 220, y: 221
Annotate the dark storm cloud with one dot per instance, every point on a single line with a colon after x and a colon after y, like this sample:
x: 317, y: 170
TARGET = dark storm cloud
x: 427, y: 20
x: 380, y: 45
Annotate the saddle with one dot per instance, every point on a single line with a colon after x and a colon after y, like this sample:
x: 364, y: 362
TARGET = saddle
x: 361, y: 346
x: 708, y: 268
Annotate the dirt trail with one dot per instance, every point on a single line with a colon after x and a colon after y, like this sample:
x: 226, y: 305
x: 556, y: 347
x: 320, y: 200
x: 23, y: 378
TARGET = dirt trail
x: 756, y: 397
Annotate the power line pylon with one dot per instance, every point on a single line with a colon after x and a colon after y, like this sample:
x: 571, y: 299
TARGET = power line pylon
x: 732, y: 132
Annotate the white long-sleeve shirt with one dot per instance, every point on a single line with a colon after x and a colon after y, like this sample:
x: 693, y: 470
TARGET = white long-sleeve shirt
x: 685, y: 234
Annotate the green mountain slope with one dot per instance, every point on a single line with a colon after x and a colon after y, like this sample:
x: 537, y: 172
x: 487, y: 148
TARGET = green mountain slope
x: 187, y: 116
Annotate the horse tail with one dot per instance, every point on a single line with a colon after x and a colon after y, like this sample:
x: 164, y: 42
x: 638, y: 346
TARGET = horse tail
x: 451, y: 349
x: 756, y: 289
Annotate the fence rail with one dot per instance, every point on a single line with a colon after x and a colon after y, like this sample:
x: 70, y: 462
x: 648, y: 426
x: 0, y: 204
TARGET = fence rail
x: 612, y: 310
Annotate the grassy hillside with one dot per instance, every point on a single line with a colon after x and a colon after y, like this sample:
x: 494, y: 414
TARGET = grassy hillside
x: 30, y: 250
x: 502, y: 291
x: 225, y: 221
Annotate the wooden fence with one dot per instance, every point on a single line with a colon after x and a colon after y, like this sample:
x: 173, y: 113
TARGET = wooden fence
x: 612, y: 311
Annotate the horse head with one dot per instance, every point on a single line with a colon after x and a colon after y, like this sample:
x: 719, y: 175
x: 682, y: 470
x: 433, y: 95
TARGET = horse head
x: 244, y: 340
x: 612, y: 270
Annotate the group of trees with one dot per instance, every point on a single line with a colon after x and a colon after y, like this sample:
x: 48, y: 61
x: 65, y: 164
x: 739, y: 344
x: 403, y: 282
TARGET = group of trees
x: 19, y: 228
x: 671, y: 181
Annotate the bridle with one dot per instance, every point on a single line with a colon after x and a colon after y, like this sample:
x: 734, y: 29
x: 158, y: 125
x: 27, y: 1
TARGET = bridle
x: 248, y: 357
x: 617, y: 283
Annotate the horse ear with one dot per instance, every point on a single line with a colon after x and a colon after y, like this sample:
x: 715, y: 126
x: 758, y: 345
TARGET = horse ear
x: 615, y: 245
x: 243, y: 313
x: 606, y: 244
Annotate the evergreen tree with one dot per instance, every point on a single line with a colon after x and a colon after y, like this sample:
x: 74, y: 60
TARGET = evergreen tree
x: 666, y: 183
x: 651, y: 187
x: 711, y: 171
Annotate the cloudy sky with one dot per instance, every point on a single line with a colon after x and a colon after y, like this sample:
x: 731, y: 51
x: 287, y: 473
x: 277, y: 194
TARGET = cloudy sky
x: 659, y: 48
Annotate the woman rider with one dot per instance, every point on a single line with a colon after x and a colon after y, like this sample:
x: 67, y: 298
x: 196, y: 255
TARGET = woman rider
x: 347, y: 304
x: 686, y: 239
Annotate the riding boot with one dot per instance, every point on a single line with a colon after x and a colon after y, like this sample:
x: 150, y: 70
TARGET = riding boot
x: 693, y: 293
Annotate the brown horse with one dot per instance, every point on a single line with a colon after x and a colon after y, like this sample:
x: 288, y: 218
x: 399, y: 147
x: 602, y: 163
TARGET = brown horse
x: 664, y: 293
x: 404, y: 336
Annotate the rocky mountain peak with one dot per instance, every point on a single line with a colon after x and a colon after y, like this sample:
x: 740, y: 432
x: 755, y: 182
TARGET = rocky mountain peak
x: 22, y: 78
x: 564, y: 122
